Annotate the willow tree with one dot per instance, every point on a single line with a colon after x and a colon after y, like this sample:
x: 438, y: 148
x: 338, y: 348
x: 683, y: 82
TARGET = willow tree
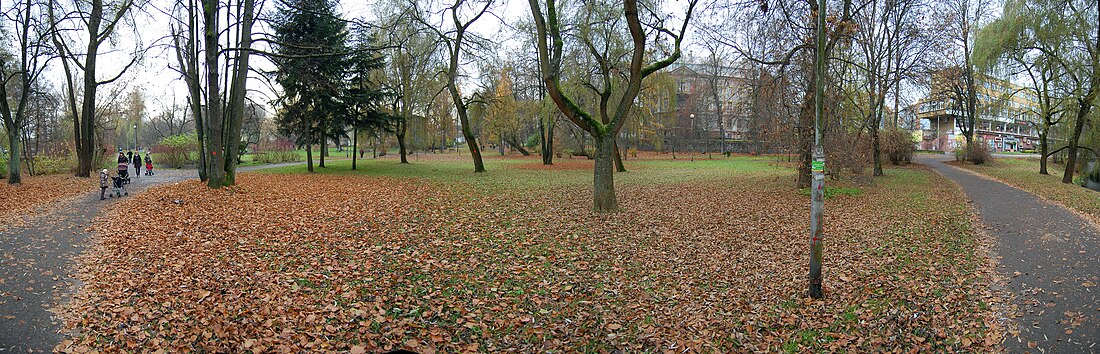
x: 1058, y: 44
x: 612, y: 112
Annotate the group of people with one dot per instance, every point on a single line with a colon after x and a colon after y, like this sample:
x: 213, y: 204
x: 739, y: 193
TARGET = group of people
x: 123, y: 177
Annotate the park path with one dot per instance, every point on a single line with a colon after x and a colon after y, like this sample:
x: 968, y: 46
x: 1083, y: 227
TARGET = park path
x: 37, y: 266
x: 1050, y: 258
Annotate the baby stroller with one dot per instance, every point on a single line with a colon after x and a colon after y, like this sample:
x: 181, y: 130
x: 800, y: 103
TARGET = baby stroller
x: 124, y: 173
x: 118, y: 187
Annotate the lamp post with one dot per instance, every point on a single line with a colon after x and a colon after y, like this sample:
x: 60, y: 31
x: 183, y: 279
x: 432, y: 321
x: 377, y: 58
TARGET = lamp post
x: 693, y: 137
x: 135, y: 136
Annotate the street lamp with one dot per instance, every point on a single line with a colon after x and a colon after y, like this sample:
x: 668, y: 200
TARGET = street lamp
x: 694, y: 137
x: 135, y: 136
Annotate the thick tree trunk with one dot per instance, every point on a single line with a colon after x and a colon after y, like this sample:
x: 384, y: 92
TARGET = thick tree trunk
x: 876, y: 151
x: 603, y: 181
x: 619, y: 167
x: 400, y: 134
x: 13, y: 156
x: 354, y: 147
x: 805, y: 137
x: 324, y: 148
x: 215, y: 115
x: 1043, y: 148
x: 546, y: 138
x: 309, y: 157
x: 517, y: 147
x: 237, y: 94
x: 1071, y: 158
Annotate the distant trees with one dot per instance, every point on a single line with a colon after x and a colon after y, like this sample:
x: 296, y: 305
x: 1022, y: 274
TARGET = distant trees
x: 97, y: 22
x: 311, y: 45
x: 20, y: 70
x: 1057, y: 44
x: 454, y: 33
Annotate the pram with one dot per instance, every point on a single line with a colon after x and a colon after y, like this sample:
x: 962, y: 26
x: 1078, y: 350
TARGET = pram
x: 118, y: 188
x: 124, y: 173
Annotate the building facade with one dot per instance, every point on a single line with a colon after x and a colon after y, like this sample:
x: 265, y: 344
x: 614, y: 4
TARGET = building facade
x: 1006, y: 115
x: 698, y: 114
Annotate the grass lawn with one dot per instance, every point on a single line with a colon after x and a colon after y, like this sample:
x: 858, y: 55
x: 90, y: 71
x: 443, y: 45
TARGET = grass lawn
x: 1023, y: 173
x: 705, y: 256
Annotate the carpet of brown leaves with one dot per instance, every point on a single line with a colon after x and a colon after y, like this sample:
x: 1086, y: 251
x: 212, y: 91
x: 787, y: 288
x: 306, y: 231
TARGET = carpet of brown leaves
x: 39, y: 191
x: 317, y: 263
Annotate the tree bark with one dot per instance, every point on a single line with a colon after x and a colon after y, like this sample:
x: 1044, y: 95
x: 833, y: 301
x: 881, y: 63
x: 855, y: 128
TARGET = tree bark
x: 876, y: 152
x: 400, y: 134
x: 619, y: 167
x: 309, y: 157
x: 1044, y: 146
x: 215, y: 125
x: 1083, y: 107
x: 603, y: 181
x: 237, y: 94
x: 354, y: 147
x: 13, y: 156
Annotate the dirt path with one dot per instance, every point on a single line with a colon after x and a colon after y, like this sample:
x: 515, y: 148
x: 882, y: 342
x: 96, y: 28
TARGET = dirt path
x: 36, y: 260
x: 1049, y: 256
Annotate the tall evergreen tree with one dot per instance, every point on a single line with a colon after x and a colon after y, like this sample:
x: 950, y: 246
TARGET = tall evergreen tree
x: 311, y: 55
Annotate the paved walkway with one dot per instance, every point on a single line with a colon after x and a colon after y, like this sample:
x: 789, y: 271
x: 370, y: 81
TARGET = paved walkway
x: 36, y: 263
x: 1050, y: 257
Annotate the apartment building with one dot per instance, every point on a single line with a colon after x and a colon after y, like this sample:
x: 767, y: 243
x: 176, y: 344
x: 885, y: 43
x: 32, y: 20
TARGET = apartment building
x: 1006, y: 115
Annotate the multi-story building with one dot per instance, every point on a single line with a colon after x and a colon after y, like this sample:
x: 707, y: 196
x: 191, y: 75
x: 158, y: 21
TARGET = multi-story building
x: 1006, y: 115
x: 697, y: 111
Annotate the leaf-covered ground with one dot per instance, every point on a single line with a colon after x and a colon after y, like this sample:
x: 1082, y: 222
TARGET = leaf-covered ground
x: 1023, y: 173
x: 364, y: 263
x: 36, y: 192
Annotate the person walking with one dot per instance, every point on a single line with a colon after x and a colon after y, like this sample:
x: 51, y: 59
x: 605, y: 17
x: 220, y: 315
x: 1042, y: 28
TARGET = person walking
x: 148, y: 164
x: 137, y: 163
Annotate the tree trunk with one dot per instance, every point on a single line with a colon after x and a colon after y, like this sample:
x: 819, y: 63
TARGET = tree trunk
x: 309, y: 157
x: 1083, y: 106
x: 1043, y: 148
x: 354, y: 146
x: 323, y: 147
x: 603, y: 181
x: 237, y: 95
x: 214, y: 104
x: 546, y: 137
x: 400, y: 134
x: 805, y: 137
x: 517, y: 147
x: 619, y: 167
x: 876, y: 151
x: 13, y: 156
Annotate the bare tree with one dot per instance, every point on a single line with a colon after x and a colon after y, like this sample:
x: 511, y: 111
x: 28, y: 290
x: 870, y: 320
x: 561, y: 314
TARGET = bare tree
x: 21, y: 71
x: 100, y: 21
x: 611, y: 116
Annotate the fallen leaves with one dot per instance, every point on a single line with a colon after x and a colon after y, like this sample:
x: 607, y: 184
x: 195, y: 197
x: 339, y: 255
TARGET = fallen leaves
x: 39, y: 191
x: 319, y: 263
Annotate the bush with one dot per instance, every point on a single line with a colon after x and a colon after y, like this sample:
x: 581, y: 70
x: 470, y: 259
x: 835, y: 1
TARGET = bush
x: 276, y: 156
x: 49, y: 165
x: 897, y: 145
x: 977, y: 152
x: 177, y: 151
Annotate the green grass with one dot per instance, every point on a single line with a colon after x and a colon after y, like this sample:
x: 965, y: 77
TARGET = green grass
x: 1023, y: 173
x: 508, y: 172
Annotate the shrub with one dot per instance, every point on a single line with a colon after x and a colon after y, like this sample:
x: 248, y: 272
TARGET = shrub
x: 177, y: 151
x: 277, y: 155
x: 48, y: 165
x: 977, y: 152
x: 897, y: 145
x: 847, y: 152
